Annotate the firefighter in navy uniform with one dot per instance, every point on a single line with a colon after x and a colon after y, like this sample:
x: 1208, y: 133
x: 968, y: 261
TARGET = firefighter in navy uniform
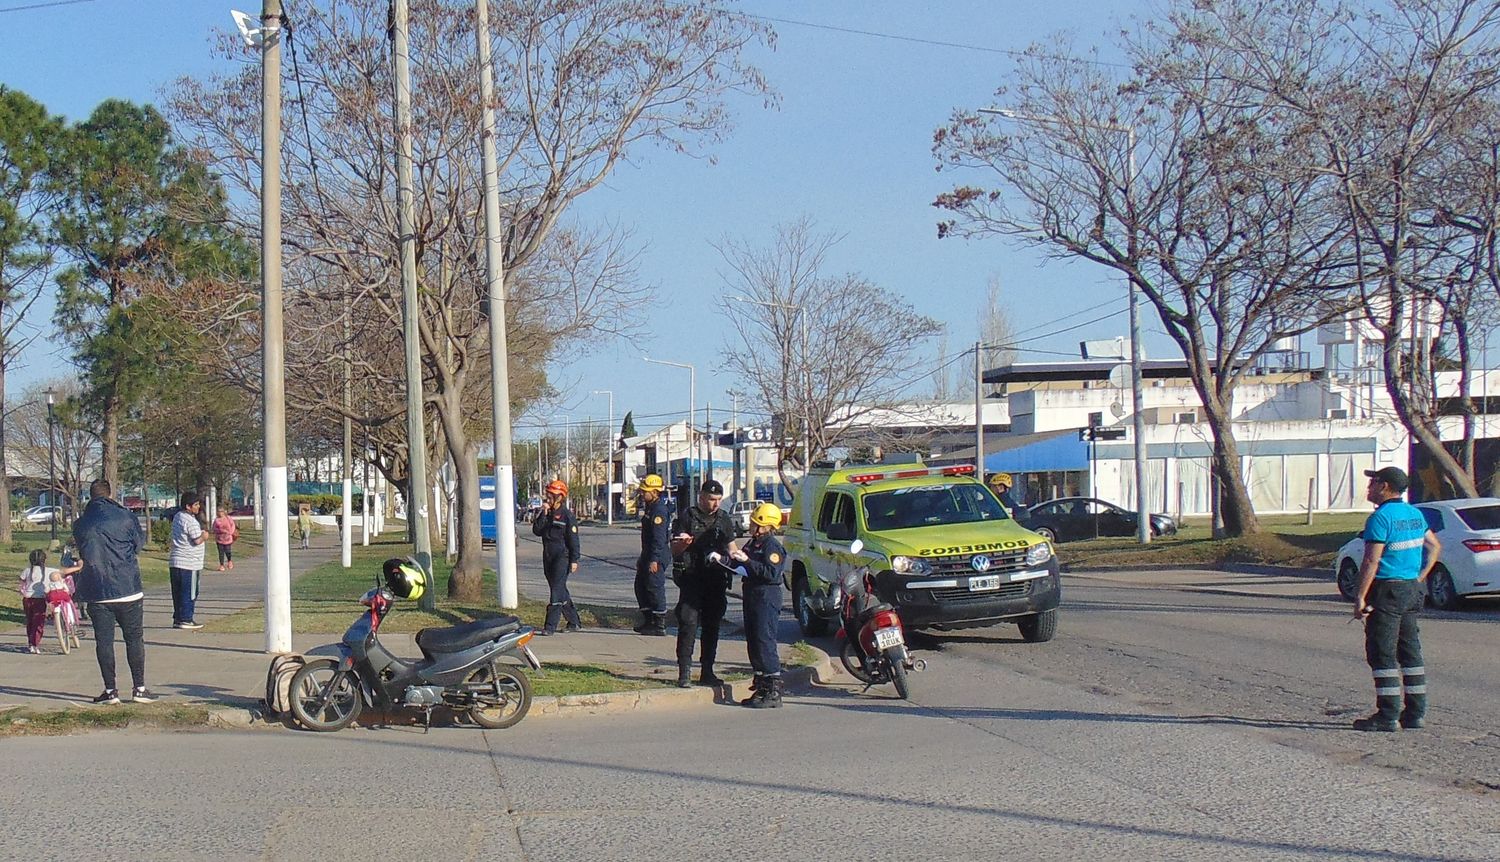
x: 763, y: 560
x: 559, y: 534
x: 1000, y: 484
x: 656, y: 558
x: 702, y: 530
x: 1400, y: 550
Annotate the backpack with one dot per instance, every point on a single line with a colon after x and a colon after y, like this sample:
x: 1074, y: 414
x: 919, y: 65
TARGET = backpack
x: 279, y: 684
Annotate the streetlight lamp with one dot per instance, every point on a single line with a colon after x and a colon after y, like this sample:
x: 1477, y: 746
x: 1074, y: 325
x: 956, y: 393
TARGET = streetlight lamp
x: 692, y: 405
x: 806, y: 374
x: 52, y: 465
x: 609, y: 473
x: 1142, y: 506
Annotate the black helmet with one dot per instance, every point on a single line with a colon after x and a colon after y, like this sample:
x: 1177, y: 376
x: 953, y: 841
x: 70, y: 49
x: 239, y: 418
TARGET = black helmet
x: 404, y: 578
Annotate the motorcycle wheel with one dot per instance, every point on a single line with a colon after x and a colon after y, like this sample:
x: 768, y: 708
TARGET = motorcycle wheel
x: 852, y: 663
x: 323, y: 698
x: 898, y: 676
x: 505, y: 693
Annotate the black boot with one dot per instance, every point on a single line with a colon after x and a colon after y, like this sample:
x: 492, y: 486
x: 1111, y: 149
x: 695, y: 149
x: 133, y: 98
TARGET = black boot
x: 554, y: 613
x: 707, y: 677
x: 772, y: 694
x: 684, y: 676
x: 648, y: 620
x: 570, y: 612
x: 656, y: 625
x: 757, y: 691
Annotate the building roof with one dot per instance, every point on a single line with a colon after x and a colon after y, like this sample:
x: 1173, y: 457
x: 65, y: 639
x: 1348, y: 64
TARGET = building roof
x: 1032, y: 372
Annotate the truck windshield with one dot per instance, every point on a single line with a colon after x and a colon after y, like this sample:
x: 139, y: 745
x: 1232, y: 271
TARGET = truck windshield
x: 930, y: 504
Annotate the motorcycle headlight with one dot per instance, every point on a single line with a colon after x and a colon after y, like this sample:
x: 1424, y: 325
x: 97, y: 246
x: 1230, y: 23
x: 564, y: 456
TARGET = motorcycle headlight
x: 910, y: 566
x: 1039, y: 553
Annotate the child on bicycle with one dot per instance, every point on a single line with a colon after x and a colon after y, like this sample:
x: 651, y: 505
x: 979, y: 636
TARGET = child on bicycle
x: 60, y: 595
x: 36, y: 587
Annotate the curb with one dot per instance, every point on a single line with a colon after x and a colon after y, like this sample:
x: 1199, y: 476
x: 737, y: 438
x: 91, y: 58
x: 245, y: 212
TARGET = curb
x: 1283, y: 571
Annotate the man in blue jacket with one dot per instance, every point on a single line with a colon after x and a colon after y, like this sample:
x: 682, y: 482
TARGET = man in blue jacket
x: 655, y: 559
x: 109, y: 542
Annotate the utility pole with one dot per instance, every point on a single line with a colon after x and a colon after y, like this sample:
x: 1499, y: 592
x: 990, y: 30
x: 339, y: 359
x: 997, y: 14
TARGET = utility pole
x: 416, y: 434
x: 494, y: 263
x: 273, y: 349
x: 609, y: 472
x: 978, y: 411
x: 346, y: 528
x: 364, y: 498
x: 1142, y: 503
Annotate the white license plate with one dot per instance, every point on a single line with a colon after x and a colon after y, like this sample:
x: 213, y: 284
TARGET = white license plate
x: 887, y: 638
x: 988, y: 582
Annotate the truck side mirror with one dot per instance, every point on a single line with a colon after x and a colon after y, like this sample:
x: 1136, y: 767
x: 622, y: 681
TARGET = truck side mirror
x: 856, y: 546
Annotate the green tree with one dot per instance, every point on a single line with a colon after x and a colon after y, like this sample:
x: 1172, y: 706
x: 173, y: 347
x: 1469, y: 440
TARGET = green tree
x: 135, y: 207
x: 627, y: 428
x: 28, y: 144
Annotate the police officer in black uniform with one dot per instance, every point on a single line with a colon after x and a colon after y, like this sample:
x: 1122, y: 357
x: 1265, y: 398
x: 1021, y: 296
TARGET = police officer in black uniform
x: 701, y: 530
x: 763, y: 561
x: 656, y: 558
x: 559, y: 534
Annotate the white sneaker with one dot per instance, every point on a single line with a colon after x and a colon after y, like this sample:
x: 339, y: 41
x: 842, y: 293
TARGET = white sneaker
x: 189, y: 625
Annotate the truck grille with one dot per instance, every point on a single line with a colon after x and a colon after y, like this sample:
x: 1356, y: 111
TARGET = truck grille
x: 1000, y: 561
x: 962, y: 595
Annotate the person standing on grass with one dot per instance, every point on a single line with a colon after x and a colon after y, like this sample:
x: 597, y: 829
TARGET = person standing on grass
x: 304, y: 524
x: 109, y: 542
x: 225, y: 532
x: 186, y: 560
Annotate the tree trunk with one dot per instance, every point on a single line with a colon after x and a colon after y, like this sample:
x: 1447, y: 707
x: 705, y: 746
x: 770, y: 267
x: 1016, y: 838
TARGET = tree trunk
x: 110, y: 443
x: 1420, y: 423
x: 465, y: 581
x: 5, y: 535
x: 1236, y: 514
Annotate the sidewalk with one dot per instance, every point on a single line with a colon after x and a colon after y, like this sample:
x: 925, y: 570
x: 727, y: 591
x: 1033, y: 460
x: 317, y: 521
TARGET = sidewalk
x: 230, y: 669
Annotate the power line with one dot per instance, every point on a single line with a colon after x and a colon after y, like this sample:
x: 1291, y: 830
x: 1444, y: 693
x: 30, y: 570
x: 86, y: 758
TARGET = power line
x: 44, y: 5
x: 875, y: 34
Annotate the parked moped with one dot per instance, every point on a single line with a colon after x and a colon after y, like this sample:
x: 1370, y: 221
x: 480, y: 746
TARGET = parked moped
x: 461, y: 668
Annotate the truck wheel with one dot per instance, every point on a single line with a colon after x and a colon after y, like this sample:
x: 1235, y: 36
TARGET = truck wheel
x: 1039, y: 628
x: 812, y: 625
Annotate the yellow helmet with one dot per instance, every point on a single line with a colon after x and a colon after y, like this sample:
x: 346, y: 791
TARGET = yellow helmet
x: 653, y: 482
x: 1001, y: 479
x: 766, y: 515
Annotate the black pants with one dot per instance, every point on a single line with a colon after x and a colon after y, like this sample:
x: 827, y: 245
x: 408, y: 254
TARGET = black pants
x: 129, y: 615
x: 701, y: 602
x: 762, y: 613
x: 556, y: 567
x: 1394, y: 649
x: 651, y: 589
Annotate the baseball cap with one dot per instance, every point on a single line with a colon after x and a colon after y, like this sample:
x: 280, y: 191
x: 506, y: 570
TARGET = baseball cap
x: 712, y: 486
x: 1393, y: 476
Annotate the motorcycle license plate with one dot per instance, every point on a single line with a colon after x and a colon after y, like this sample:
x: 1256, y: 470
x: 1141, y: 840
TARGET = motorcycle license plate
x: 887, y: 638
x: 988, y: 582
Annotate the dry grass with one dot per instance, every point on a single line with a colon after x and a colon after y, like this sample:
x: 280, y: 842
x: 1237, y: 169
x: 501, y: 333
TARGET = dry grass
x: 1284, y: 540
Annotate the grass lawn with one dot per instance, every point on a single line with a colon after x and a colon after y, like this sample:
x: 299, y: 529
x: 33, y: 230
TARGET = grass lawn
x: 153, y: 564
x: 25, y: 722
x: 1284, y: 540
x: 325, y: 599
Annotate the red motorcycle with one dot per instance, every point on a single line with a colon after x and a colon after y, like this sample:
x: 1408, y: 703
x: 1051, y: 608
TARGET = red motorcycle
x: 879, y: 653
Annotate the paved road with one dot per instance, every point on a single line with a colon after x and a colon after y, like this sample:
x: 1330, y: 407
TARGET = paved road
x: 988, y: 764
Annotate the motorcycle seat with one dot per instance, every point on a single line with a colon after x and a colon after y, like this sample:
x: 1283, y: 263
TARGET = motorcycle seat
x: 452, y: 639
x: 870, y: 612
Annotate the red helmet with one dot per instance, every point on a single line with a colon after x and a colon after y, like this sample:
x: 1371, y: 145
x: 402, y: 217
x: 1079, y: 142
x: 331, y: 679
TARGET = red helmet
x: 558, y: 487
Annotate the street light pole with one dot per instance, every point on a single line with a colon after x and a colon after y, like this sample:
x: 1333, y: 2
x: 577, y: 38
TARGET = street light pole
x: 1137, y: 398
x: 609, y: 473
x: 692, y: 402
x: 52, y: 466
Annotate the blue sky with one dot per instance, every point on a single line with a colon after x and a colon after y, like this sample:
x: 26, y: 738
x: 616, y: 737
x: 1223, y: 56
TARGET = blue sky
x: 849, y: 146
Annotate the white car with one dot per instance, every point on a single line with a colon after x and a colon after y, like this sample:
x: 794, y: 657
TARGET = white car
x: 41, y: 514
x: 1470, y: 562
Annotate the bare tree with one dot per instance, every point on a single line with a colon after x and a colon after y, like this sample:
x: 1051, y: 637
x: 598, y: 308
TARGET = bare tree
x: 74, y: 450
x: 583, y: 84
x: 1177, y: 178
x: 854, y: 358
x: 1388, y: 97
x: 995, y: 329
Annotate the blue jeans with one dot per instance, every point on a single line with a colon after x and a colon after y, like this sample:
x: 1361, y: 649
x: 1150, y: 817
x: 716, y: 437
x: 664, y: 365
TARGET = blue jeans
x: 184, y: 594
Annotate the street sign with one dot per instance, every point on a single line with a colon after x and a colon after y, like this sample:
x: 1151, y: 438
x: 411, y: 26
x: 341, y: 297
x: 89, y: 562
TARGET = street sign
x: 1097, y: 434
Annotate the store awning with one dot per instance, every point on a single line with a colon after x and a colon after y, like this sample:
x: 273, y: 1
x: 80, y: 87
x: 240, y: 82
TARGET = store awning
x: 1027, y: 453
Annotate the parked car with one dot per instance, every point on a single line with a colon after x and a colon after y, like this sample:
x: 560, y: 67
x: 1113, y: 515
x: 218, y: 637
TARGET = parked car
x: 41, y: 514
x: 741, y: 515
x: 1068, y: 519
x: 1470, y: 561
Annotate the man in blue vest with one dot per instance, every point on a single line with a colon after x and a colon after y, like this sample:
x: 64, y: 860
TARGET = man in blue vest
x: 1400, y: 550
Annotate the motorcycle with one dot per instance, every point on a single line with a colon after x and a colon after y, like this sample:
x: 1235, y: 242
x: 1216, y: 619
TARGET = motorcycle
x: 460, y: 669
x: 877, y: 653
